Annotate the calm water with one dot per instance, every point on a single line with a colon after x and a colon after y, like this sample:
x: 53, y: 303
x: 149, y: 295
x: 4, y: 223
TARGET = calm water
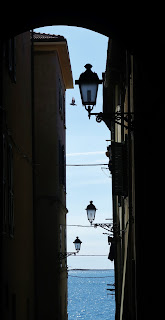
x: 88, y: 297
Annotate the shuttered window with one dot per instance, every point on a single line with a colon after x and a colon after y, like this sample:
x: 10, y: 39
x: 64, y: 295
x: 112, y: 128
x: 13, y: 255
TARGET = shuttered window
x: 62, y: 166
x: 60, y: 96
x: 61, y: 244
x: 12, y: 58
x: 65, y: 245
x: 4, y: 184
x: 10, y: 191
x: 119, y: 169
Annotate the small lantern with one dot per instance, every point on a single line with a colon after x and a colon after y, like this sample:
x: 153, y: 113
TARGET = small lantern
x: 77, y: 244
x: 91, y: 211
x: 88, y: 85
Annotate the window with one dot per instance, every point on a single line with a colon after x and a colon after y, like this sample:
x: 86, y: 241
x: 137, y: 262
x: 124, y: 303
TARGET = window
x: 61, y: 244
x: 14, y: 317
x: 11, y: 57
x: 63, y: 249
x: 61, y: 99
x: 10, y: 191
x: 4, y: 184
x: 65, y: 245
x: 120, y: 168
x: 62, y: 166
x: 28, y: 308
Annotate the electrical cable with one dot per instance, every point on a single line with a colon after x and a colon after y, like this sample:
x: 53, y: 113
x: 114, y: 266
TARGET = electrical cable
x: 90, y: 277
x: 91, y: 255
x: 75, y: 225
x: 87, y: 165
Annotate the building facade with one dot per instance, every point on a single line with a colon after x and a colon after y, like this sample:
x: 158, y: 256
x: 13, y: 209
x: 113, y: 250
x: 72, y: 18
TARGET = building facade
x: 36, y: 73
x: 17, y: 271
x: 52, y: 76
x: 145, y: 40
x: 119, y: 106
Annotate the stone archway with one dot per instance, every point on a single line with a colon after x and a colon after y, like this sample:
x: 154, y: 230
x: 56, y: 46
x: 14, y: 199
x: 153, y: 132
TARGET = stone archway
x: 142, y: 34
x: 125, y: 22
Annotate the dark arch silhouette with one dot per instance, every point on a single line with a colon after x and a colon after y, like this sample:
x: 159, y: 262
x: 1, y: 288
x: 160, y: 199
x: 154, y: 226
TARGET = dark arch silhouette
x: 141, y: 30
x: 130, y: 24
x: 94, y: 19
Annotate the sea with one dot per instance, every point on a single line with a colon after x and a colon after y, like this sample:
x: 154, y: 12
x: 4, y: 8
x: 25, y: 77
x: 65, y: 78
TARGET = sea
x: 89, y: 297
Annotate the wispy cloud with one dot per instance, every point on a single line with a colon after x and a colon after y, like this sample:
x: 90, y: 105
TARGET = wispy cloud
x: 84, y: 153
x: 99, y: 181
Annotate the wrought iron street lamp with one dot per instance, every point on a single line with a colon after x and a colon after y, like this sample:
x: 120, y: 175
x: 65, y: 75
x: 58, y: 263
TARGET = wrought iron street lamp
x: 64, y: 255
x: 91, y: 213
x: 88, y: 84
x: 77, y: 244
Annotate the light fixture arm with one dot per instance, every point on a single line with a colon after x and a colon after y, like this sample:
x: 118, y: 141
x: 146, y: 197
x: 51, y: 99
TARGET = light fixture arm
x: 116, y: 117
x: 88, y: 84
x: 64, y: 255
x: 107, y: 226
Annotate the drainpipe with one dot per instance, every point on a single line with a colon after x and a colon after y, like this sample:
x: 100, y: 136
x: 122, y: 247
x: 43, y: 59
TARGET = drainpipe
x: 1, y: 173
x: 131, y: 262
x: 129, y: 259
x: 33, y: 161
x: 127, y: 267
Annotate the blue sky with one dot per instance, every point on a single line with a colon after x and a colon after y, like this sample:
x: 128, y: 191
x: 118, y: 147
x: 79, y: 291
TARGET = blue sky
x: 86, y: 144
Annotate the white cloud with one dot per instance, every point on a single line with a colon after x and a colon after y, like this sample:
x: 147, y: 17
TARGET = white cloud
x: 91, y: 182
x: 84, y: 153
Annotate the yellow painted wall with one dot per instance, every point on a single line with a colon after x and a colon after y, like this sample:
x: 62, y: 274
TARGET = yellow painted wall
x: 50, y: 194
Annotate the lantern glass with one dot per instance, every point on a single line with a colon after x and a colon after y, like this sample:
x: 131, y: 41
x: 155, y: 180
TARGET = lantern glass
x: 88, y: 93
x: 91, y: 212
x: 91, y: 215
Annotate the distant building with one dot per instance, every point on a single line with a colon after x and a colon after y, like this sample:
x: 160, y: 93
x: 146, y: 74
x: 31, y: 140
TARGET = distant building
x: 36, y: 74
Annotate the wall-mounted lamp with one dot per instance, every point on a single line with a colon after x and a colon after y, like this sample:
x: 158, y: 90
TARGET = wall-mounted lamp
x: 77, y: 242
x: 91, y: 213
x: 64, y: 255
x: 88, y: 84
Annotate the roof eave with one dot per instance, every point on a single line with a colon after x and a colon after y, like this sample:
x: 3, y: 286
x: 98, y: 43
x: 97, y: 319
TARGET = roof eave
x: 62, y: 50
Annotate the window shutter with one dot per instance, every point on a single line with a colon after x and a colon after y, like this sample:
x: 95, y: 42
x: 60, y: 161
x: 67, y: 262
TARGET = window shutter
x: 12, y: 58
x: 125, y: 168
x: 61, y: 244
x: 60, y: 97
x: 10, y: 192
x: 65, y: 247
x: 62, y: 165
x: 119, y: 169
x: 4, y: 184
x: 117, y: 176
x: 60, y: 162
